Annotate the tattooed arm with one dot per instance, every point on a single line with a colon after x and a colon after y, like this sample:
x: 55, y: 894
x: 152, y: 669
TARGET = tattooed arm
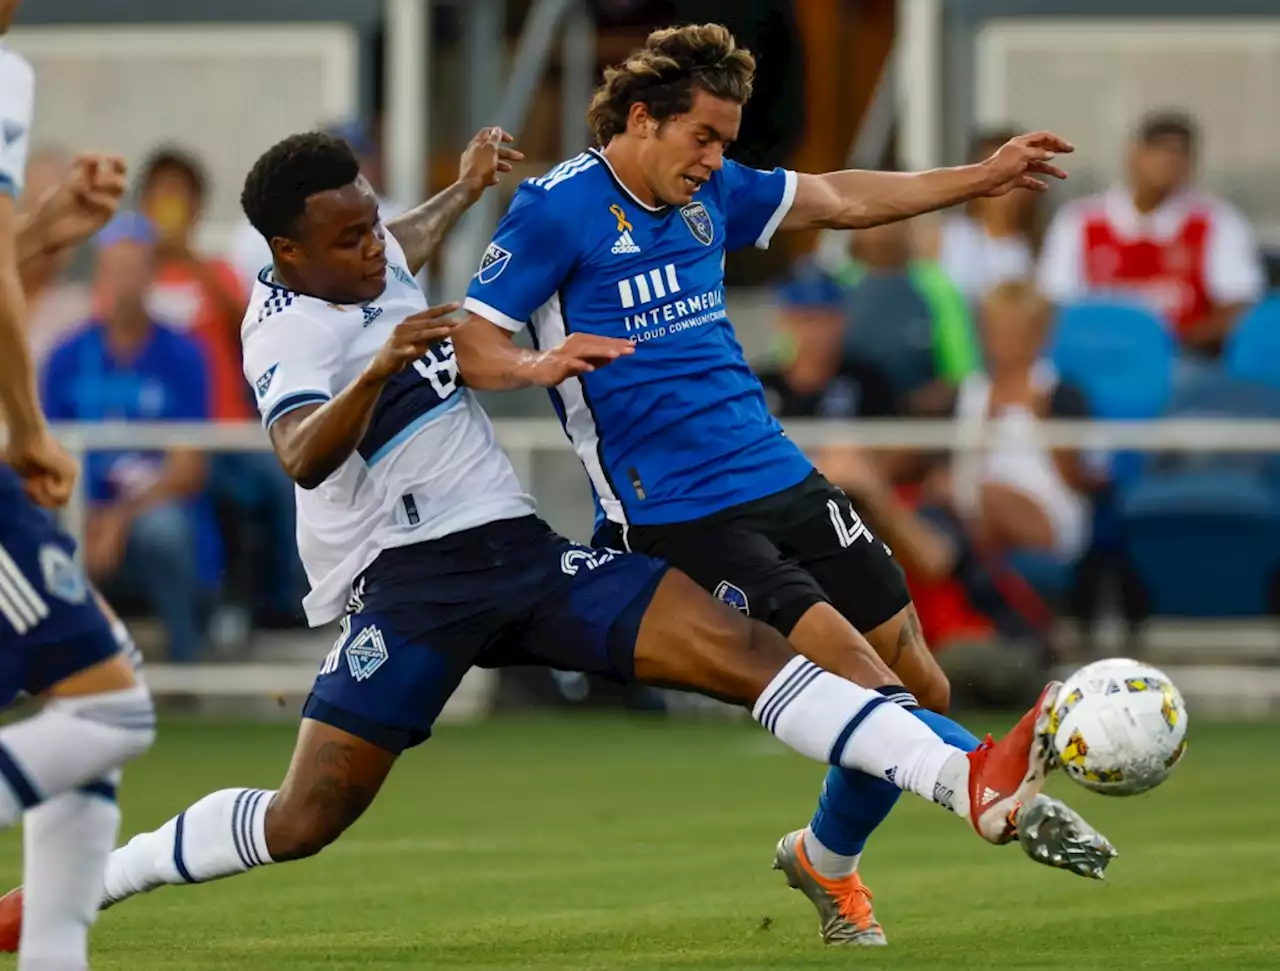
x: 419, y: 231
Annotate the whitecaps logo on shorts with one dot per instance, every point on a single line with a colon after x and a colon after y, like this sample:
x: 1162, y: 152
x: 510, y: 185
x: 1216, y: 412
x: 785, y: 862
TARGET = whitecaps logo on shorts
x: 366, y: 653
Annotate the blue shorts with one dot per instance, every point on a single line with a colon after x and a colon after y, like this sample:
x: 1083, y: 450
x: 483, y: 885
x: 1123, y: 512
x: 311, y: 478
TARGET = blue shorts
x: 50, y: 624
x: 507, y: 593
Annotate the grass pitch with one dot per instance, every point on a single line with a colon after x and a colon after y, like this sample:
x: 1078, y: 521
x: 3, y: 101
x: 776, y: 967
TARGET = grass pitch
x: 607, y: 842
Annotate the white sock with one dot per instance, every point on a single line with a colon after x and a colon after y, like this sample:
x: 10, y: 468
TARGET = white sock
x: 70, y: 743
x: 841, y: 723
x: 221, y: 835
x: 66, y: 842
x: 828, y: 863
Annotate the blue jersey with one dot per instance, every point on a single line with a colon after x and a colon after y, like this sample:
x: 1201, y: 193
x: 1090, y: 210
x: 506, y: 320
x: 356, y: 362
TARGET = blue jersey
x: 680, y: 429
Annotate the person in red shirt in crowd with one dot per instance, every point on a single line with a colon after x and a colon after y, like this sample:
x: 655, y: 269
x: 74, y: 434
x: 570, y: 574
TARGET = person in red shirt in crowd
x: 1190, y: 256
x: 194, y: 294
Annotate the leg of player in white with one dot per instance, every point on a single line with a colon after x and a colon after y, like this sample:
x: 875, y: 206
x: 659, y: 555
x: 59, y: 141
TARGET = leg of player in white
x: 686, y: 639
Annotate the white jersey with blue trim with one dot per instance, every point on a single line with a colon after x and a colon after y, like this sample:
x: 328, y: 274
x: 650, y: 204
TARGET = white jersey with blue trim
x: 680, y: 429
x: 17, y: 105
x: 428, y: 466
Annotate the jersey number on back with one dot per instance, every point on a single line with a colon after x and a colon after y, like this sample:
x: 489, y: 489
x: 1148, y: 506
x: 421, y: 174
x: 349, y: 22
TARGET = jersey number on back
x: 440, y: 367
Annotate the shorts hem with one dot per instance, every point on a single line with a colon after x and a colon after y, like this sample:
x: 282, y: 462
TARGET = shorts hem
x: 386, y: 737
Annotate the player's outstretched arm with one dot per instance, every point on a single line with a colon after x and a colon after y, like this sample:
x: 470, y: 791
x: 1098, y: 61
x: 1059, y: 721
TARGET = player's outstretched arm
x: 420, y: 231
x: 488, y: 358
x: 72, y: 212
x: 312, y: 442
x: 47, y: 470
x: 855, y: 199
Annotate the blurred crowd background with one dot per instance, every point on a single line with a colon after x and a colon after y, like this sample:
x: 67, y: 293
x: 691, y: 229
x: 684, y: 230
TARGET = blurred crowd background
x: 1139, y: 289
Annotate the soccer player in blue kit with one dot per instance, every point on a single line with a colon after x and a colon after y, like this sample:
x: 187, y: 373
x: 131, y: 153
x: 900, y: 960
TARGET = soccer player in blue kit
x: 59, y: 768
x: 618, y: 255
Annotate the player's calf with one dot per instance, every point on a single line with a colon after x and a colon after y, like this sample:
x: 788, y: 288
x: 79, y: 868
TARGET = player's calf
x: 332, y: 778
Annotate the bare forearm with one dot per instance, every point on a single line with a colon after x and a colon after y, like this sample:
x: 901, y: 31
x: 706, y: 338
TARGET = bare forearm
x: 313, y: 447
x: 489, y: 362
x: 861, y: 199
x: 18, y: 397
x: 421, y: 230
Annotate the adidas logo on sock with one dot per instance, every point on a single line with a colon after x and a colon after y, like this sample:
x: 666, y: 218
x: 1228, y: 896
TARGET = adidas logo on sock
x: 989, y: 796
x: 625, y: 244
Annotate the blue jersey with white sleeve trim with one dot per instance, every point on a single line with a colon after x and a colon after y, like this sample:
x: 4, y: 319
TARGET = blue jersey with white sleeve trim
x: 680, y: 429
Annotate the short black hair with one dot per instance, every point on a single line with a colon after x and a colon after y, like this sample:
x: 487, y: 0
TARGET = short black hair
x: 179, y: 160
x: 277, y: 187
x: 1168, y: 123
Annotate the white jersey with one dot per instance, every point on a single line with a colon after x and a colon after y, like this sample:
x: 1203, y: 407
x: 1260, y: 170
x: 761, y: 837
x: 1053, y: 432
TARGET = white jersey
x: 428, y: 466
x: 17, y: 105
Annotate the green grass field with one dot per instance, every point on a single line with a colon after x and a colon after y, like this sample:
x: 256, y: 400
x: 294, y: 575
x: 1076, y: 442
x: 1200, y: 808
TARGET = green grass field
x: 599, y: 842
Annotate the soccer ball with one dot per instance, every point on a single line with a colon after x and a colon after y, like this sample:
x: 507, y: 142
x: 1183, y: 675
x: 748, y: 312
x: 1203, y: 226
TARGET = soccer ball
x: 1118, y: 727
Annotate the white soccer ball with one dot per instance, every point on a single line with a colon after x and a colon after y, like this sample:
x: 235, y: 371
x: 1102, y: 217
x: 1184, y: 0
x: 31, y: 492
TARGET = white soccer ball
x: 1119, y: 727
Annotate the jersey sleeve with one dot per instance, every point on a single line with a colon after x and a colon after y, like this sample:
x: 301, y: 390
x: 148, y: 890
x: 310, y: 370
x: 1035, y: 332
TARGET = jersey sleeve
x: 754, y: 203
x: 1061, y: 271
x: 1234, y: 271
x: 525, y: 264
x: 291, y: 361
x: 17, y: 98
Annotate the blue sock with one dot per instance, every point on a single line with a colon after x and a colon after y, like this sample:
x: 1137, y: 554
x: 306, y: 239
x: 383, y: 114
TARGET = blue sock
x: 853, y: 804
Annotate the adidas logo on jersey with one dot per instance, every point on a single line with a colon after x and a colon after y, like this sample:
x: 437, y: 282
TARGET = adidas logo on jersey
x: 625, y: 244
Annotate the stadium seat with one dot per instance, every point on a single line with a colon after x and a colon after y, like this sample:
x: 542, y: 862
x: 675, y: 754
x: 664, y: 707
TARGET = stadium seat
x: 1203, y: 530
x: 1122, y: 357
x: 1253, y: 349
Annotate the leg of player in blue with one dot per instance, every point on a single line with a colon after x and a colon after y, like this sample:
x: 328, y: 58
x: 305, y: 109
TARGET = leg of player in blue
x: 822, y: 860
x: 59, y: 769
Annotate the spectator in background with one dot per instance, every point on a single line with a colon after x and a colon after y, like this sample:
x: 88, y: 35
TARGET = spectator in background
x: 1190, y: 256
x: 989, y: 241
x: 810, y: 375
x: 250, y: 252
x: 147, y: 527
x: 904, y: 315
x: 193, y: 294
x: 205, y: 298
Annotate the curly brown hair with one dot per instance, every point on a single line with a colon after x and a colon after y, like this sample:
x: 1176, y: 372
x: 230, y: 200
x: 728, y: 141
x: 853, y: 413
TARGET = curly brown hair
x: 664, y: 73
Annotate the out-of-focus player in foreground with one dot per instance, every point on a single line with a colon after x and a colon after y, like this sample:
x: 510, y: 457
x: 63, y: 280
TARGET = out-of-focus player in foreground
x: 625, y: 244
x: 59, y: 768
x: 419, y: 539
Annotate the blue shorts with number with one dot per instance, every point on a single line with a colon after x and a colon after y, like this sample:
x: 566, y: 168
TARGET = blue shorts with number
x: 50, y: 625
x: 507, y: 593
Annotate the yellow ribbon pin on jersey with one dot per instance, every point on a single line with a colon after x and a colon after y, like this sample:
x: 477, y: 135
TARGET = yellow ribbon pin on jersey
x: 621, y: 216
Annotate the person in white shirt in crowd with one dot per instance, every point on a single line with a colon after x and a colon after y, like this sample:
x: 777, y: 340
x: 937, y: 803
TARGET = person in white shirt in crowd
x: 249, y: 252
x: 987, y: 241
x: 1188, y: 255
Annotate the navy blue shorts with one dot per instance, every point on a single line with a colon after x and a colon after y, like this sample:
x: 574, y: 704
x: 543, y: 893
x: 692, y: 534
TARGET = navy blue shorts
x: 507, y: 593
x: 50, y: 625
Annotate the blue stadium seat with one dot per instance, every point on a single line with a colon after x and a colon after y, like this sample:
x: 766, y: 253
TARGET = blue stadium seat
x: 1122, y: 357
x: 1203, y: 530
x: 1253, y: 349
